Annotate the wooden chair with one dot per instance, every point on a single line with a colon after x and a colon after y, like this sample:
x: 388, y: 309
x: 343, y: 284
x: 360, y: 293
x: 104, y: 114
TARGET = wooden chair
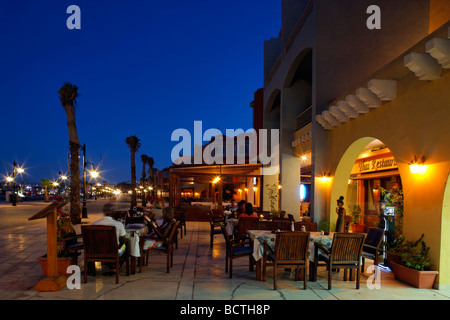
x: 100, y: 245
x: 372, y: 246
x: 345, y: 253
x: 244, y: 224
x: 215, y: 227
x: 282, y: 225
x: 264, y: 225
x: 309, y: 226
x: 291, y: 251
x: 235, y: 249
x: 180, y: 215
x: 167, y: 248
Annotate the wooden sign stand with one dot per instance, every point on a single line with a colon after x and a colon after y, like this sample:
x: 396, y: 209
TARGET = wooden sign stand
x: 54, y: 281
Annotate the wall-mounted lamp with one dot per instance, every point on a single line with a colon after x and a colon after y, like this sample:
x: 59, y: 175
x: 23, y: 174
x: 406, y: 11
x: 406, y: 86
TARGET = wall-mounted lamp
x: 417, y: 165
x: 279, y: 187
x: 326, y: 177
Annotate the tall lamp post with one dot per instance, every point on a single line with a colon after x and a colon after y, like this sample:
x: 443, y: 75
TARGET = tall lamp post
x: 94, y: 174
x: 84, y: 208
x: 13, y: 179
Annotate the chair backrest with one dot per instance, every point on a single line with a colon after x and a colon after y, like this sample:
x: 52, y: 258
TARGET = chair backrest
x: 374, y: 238
x: 99, y: 241
x: 217, y: 213
x: 309, y: 226
x: 282, y: 225
x: 173, y: 231
x: 210, y: 218
x: 291, y: 246
x: 226, y: 236
x: 133, y: 220
x: 347, y: 247
x: 264, y: 225
x: 246, y: 223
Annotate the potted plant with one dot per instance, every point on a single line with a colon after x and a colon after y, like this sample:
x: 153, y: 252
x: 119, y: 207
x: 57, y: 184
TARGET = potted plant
x: 65, y: 236
x: 324, y: 226
x: 414, y: 265
x: 357, y: 216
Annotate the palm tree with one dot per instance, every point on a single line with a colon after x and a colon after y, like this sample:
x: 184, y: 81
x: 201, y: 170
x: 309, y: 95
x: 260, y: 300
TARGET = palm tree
x: 144, y: 159
x: 46, y: 183
x: 67, y: 95
x: 150, y: 163
x: 134, y: 144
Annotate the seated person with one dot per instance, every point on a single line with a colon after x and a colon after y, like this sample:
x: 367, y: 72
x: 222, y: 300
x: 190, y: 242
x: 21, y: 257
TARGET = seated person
x: 157, y: 209
x: 160, y: 233
x: 240, y: 208
x: 248, y: 212
x: 108, y: 220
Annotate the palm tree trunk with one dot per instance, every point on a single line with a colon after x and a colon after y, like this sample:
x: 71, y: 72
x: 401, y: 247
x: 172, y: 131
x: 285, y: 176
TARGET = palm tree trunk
x: 75, y: 210
x: 46, y: 193
x: 133, y: 179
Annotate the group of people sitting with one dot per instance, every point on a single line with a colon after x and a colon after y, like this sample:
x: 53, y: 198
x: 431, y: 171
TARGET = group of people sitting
x: 243, y: 209
x: 160, y: 224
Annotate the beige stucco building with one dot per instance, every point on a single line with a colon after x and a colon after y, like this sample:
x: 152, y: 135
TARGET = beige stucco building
x: 343, y: 95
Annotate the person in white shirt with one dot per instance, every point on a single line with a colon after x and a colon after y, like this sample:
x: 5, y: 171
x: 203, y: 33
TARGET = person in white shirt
x: 108, y: 220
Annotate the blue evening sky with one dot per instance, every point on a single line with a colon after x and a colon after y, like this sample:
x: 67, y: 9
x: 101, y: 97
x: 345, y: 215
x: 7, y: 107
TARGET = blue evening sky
x: 143, y: 68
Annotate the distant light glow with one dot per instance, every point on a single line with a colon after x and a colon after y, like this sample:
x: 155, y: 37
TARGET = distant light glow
x: 302, y: 192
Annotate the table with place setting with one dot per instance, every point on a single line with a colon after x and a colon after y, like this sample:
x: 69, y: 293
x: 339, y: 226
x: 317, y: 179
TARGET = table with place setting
x: 258, y: 237
x: 134, y: 232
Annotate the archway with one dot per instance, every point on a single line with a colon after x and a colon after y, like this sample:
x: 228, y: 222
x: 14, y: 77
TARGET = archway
x: 444, y: 263
x: 366, y: 174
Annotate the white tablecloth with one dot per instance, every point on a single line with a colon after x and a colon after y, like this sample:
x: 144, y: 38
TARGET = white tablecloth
x: 231, y: 224
x: 134, y: 231
x: 259, y: 236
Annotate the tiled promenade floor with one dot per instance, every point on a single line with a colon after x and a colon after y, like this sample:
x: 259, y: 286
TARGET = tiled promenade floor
x: 198, y: 274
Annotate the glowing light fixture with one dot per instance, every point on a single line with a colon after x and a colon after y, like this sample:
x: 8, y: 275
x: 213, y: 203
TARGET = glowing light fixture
x: 94, y: 174
x: 325, y: 178
x: 9, y: 179
x: 417, y: 165
x: 280, y: 187
x: 216, y: 180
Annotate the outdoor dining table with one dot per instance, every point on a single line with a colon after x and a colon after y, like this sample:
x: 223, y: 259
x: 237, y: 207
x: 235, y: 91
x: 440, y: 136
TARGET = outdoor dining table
x: 134, y: 232
x: 258, y: 237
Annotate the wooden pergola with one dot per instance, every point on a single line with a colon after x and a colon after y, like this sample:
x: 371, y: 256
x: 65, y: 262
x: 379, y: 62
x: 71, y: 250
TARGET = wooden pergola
x: 182, y: 172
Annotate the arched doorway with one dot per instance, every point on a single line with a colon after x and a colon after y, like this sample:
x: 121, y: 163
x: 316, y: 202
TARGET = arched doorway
x: 366, y: 175
x: 444, y: 263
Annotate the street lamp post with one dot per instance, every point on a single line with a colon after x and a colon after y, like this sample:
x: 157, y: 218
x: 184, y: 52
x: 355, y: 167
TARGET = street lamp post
x: 84, y: 208
x: 94, y: 174
x: 19, y: 170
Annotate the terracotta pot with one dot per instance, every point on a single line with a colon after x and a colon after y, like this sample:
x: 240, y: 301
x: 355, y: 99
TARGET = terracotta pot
x: 358, y: 228
x: 62, y: 264
x: 418, y: 279
x: 391, y: 257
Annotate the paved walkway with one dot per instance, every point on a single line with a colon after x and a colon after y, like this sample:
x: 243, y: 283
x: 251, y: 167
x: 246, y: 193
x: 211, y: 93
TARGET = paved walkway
x: 198, y: 274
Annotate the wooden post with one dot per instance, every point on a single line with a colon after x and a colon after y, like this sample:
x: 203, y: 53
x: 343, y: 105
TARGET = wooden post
x: 220, y: 206
x: 51, y: 245
x: 54, y: 281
